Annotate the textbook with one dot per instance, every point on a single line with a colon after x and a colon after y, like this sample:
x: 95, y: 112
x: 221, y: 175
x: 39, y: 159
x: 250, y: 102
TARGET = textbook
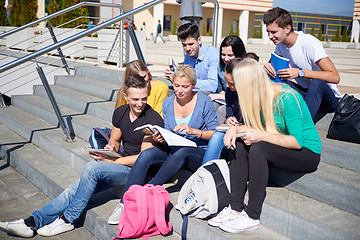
x: 171, y: 138
x: 106, y: 152
x: 278, y: 63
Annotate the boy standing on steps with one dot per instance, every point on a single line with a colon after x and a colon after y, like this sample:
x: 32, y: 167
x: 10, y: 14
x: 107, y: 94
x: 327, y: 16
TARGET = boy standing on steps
x: 311, y: 71
x: 59, y: 215
x: 204, y: 59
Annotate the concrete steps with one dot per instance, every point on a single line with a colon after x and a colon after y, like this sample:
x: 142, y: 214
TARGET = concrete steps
x: 320, y: 205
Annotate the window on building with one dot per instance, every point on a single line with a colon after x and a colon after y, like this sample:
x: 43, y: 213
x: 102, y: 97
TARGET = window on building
x: 209, y: 25
x: 301, y: 27
x: 324, y: 29
x: 167, y: 23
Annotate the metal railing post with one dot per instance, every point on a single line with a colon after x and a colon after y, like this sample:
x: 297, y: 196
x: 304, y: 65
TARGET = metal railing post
x: 54, y: 104
x: 63, y: 60
x: 136, y: 44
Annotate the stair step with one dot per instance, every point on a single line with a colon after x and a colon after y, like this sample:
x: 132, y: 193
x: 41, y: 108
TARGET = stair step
x: 46, y: 136
x: 81, y: 123
x: 81, y: 102
x: 89, y: 86
x: 52, y: 176
x: 108, y: 74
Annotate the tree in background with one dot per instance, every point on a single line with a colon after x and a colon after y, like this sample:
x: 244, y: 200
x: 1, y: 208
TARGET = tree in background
x: 3, y: 16
x: 320, y: 37
x: 344, y: 37
x: 173, y: 32
x: 260, y: 33
x: 255, y: 35
x: 237, y: 29
x: 210, y: 33
x: 203, y: 32
x: 29, y: 10
x: 53, y: 7
x: 337, y: 35
x: 15, y: 13
x: 231, y: 29
x: 312, y: 31
x: 74, y: 14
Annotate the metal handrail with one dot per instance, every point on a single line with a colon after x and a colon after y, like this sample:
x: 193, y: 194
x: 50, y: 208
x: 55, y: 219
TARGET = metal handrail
x: 53, y: 15
x: 97, y: 28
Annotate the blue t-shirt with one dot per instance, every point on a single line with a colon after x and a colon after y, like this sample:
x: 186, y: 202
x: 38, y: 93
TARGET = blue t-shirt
x: 205, y: 67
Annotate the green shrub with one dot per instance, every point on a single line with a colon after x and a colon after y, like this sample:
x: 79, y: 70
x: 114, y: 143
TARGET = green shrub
x: 173, y: 32
x: 15, y: 13
x: 231, y: 29
x: 320, y: 36
x: 55, y: 6
x: 210, y: 30
x: 344, y: 36
x: 3, y: 16
x: 203, y: 33
x: 313, y: 31
x: 28, y: 11
x: 337, y: 34
x: 76, y: 13
x: 237, y: 30
x: 255, y: 33
x: 260, y: 32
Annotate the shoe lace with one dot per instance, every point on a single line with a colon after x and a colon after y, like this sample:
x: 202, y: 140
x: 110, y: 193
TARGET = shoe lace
x: 119, y: 206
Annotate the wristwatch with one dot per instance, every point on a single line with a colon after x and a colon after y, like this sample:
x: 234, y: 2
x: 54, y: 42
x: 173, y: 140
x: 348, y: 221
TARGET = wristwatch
x: 301, y: 72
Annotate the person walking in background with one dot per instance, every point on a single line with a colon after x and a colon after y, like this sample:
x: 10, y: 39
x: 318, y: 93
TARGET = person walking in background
x: 143, y: 27
x: 190, y: 12
x: 158, y: 32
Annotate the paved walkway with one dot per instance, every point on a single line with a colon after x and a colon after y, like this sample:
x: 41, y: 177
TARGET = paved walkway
x: 19, y: 198
x: 347, y: 61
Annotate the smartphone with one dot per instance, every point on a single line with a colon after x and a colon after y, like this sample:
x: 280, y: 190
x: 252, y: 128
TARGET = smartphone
x: 172, y: 65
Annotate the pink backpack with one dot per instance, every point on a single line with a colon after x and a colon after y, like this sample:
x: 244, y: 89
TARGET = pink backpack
x: 144, y: 212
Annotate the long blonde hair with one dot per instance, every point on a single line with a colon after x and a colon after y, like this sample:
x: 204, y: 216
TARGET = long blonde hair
x: 256, y: 95
x: 132, y: 68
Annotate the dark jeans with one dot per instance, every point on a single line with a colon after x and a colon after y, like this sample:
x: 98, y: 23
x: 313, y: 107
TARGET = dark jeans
x: 318, y: 96
x: 171, y: 160
x: 251, y: 163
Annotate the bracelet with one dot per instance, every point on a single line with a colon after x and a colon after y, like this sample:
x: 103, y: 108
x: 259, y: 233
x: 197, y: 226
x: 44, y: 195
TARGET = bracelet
x: 201, y: 133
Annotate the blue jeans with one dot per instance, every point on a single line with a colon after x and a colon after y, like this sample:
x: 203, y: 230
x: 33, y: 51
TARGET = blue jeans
x: 171, y: 160
x: 318, y: 96
x: 158, y: 34
x: 96, y: 177
x: 214, y: 148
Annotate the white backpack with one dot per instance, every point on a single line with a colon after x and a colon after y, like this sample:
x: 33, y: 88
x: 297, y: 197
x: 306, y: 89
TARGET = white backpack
x: 211, y: 186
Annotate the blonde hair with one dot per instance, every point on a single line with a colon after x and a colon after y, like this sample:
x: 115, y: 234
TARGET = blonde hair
x: 256, y: 95
x: 132, y: 68
x: 186, y: 71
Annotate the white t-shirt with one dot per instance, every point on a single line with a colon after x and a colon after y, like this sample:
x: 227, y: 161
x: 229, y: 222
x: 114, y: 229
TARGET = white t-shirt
x: 306, y: 51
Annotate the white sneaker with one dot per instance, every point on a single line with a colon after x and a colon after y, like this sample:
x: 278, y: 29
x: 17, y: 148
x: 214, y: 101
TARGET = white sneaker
x: 56, y: 227
x: 17, y: 227
x: 222, y: 216
x: 115, y: 216
x: 242, y: 222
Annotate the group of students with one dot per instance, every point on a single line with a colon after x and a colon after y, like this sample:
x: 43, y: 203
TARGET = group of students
x: 277, y: 125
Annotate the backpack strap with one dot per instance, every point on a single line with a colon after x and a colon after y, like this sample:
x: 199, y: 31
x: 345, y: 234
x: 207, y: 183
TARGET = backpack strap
x: 161, y: 196
x: 223, y: 194
x: 141, y: 204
